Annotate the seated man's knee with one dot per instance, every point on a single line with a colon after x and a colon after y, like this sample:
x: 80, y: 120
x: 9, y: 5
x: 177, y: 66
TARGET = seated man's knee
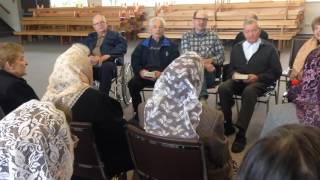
x: 224, y: 88
x: 249, y: 92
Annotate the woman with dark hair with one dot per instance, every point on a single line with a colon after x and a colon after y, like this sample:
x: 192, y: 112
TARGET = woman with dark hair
x: 304, y: 97
x: 290, y: 152
x: 14, y: 90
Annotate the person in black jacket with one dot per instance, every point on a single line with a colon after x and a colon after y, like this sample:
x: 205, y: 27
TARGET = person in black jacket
x: 240, y: 36
x: 14, y: 90
x: 150, y: 58
x: 254, y: 65
x: 105, y: 46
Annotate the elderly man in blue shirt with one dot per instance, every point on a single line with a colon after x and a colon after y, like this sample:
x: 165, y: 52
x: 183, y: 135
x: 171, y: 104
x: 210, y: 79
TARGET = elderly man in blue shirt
x: 149, y: 59
x: 105, y: 46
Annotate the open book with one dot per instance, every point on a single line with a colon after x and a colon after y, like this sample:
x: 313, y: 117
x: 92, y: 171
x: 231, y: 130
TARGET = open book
x: 239, y: 76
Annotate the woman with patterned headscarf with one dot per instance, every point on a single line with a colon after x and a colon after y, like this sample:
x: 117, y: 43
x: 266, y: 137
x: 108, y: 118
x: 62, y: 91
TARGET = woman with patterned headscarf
x: 174, y: 111
x: 35, y: 143
x: 305, y: 98
x: 69, y: 89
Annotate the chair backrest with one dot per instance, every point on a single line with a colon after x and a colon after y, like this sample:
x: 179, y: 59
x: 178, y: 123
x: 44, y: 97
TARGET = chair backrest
x: 296, y: 45
x: 1, y: 113
x: 87, y: 163
x: 161, y: 158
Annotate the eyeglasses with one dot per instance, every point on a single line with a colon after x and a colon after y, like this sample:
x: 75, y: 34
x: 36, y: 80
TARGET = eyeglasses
x: 99, y: 23
x: 251, y: 31
x: 203, y: 19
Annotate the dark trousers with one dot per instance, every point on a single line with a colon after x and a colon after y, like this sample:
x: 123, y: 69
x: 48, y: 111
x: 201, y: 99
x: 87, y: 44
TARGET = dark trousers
x: 135, y: 85
x: 104, y: 75
x: 249, y: 94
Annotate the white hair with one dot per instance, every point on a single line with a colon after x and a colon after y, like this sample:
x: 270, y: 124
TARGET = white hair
x: 153, y: 20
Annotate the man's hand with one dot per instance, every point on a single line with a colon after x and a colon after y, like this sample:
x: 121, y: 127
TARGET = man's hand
x: 208, y: 64
x: 94, y: 60
x: 104, y: 58
x: 207, y: 61
x: 252, y: 78
x: 141, y: 73
x: 209, y: 67
x: 157, y: 73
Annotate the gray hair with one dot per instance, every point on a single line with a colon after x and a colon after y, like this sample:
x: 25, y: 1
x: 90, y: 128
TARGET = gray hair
x: 252, y: 16
x: 250, y: 21
x: 154, y: 19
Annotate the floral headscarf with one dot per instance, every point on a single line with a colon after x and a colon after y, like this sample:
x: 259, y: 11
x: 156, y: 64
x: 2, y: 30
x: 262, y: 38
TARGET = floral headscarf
x: 174, y: 108
x: 35, y: 143
x: 71, y: 76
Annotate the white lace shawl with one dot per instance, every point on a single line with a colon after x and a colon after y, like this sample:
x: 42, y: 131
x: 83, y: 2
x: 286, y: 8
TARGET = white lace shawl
x: 66, y: 82
x: 174, y: 108
x: 35, y: 143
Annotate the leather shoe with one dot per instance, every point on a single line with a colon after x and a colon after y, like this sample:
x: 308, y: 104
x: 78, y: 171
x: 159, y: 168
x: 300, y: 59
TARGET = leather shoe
x: 239, y: 143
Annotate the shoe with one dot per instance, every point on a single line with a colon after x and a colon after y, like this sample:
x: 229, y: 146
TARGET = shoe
x: 239, y: 143
x: 229, y: 130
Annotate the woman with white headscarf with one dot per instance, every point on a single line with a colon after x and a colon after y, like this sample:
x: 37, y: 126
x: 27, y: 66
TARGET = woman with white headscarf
x: 69, y: 89
x: 35, y: 143
x: 174, y: 111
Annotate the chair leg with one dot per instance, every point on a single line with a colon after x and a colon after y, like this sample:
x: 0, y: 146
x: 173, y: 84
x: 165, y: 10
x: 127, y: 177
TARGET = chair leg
x: 276, y: 96
x: 143, y: 97
x: 217, y: 100
x: 237, y: 105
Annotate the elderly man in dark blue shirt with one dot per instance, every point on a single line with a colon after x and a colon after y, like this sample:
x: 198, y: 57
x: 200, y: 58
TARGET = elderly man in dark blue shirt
x: 105, y: 46
x: 150, y: 58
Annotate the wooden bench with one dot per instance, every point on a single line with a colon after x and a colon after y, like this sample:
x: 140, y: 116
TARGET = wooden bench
x: 280, y: 19
x: 60, y: 34
x: 225, y: 35
x: 38, y: 23
x: 72, y: 21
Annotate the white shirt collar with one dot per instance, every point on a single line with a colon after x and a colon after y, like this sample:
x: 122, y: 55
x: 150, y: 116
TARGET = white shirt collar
x: 250, y: 48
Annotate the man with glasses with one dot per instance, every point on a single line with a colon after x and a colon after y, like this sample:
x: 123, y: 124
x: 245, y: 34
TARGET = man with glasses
x: 207, y: 44
x: 254, y: 65
x: 105, y: 46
